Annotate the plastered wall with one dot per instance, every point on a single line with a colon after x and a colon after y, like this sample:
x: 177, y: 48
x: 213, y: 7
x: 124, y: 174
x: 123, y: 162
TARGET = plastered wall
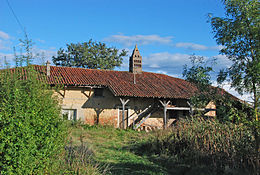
x: 105, y: 110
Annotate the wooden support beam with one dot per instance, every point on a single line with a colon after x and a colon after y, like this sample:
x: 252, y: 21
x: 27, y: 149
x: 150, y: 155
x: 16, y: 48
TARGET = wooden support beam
x: 179, y: 108
x: 87, y: 95
x: 139, y: 124
x: 144, y: 115
x: 62, y: 94
x: 187, y: 109
x: 133, y: 116
x: 164, y: 104
x: 143, y: 111
x: 64, y: 90
x: 191, y: 108
x: 124, y: 102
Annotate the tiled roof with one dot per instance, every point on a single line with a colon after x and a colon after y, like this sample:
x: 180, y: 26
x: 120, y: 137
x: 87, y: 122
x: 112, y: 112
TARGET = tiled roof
x: 121, y: 83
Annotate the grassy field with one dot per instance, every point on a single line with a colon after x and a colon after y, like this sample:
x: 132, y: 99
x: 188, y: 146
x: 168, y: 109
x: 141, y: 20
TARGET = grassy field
x: 113, y: 150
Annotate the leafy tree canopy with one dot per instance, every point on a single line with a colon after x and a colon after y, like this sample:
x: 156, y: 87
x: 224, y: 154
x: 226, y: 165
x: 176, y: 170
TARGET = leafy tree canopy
x: 199, y: 72
x: 93, y: 55
x: 239, y: 32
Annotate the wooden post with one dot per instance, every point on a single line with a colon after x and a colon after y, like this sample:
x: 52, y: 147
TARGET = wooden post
x: 164, y: 104
x: 124, y: 102
x: 191, y: 109
x: 164, y: 117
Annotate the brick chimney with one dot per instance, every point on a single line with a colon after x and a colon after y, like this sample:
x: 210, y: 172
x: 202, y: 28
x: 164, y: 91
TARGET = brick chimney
x: 48, y: 68
x: 135, y: 62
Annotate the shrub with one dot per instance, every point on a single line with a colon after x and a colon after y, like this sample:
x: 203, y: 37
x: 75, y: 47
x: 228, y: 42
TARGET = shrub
x: 31, y: 129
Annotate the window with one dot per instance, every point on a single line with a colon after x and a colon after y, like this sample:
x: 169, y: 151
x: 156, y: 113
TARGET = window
x: 137, y: 61
x: 98, y: 92
x: 69, y: 114
x: 137, y: 65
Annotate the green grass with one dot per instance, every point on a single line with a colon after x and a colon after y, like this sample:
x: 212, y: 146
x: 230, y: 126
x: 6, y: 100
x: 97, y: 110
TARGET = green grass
x: 112, y: 149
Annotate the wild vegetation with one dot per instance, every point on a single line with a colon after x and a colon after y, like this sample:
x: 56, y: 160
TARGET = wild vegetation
x: 194, y: 146
x: 207, y: 146
x: 238, y: 35
x: 31, y: 130
x: 35, y: 140
x: 33, y: 136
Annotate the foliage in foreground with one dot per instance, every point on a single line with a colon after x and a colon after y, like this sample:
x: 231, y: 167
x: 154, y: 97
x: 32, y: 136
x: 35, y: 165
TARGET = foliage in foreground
x: 32, y: 132
x: 205, y: 144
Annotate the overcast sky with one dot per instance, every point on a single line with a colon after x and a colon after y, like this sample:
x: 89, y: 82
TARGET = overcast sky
x: 167, y: 32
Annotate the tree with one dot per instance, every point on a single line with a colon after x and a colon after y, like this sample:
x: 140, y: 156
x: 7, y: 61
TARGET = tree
x: 27, y: 44
x: 228, y: 108
x: 238, y: 32
x: 6, y: 63
x: 26, y: 55
x: 199, y: 72
x: 89, y: 54
x: 199, y: 75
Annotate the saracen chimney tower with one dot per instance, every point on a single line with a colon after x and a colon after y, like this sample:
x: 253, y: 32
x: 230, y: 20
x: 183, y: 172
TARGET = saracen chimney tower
x: 135, y: 62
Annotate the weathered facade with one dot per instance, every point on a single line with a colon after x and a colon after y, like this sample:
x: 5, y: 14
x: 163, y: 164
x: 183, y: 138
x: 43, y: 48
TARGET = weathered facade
x: 123, y: 99
x: 81, y: 103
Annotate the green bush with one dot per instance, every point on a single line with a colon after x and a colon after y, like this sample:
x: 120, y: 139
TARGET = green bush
x: 32, y: 132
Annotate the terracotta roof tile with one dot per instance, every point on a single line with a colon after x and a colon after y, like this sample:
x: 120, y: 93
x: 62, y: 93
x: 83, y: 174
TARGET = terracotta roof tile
x: 121, y: 83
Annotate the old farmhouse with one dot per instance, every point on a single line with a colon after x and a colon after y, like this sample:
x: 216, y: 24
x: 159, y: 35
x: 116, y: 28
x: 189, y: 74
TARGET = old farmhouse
x: 123, y: 99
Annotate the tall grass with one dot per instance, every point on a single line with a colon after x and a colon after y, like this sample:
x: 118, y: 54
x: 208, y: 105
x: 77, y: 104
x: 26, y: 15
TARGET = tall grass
x: 219, y: 146
x: 77, y: 158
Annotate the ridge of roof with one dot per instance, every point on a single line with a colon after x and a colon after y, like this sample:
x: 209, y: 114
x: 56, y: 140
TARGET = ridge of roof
x: 107, y: 70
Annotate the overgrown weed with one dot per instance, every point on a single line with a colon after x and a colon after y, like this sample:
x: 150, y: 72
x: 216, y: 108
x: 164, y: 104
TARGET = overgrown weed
x: 218, y: 147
